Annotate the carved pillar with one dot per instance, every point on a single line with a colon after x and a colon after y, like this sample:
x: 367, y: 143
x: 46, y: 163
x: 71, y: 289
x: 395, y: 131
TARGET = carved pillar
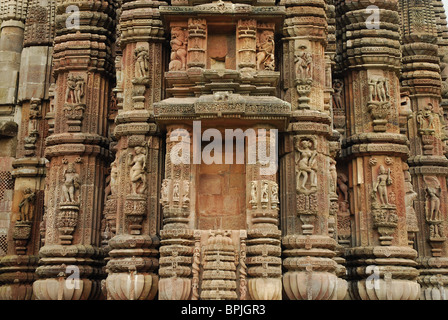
x: 78, y: 153
x: 427, y: 161
x: 263, y: 236
x: 177, y: 235
x: 380, y: 263
x: 197, y: 43
x: 134, y: 206
x: 18, y: 267
x: 307, y: 224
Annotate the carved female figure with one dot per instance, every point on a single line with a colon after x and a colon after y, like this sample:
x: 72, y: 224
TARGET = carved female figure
x: 337, y: 95
x: 26, y: 205
x: 265, y: 51
x: 305, y: 165
x: 380, y: 187
x: 79, y: 89
x: 434, y: 203
x: 71, y: 183
x: 141, y: 62
x: 137, y: 172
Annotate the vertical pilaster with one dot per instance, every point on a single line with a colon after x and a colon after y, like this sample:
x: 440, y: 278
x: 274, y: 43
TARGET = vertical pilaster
x: 138, y: 152
x: 307, y: 224
x: 375, y: 152
x: 77, y: 152
x: 421, y: 78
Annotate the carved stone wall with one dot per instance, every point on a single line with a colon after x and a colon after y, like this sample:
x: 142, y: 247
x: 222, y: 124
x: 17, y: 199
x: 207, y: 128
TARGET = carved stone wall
x: 223, y: 150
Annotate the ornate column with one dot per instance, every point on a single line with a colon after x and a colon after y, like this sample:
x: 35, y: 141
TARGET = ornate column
x: 178, y: 239
x: 133, y: 205
x: 18, y: 267
x: 71, y: 259
x: 263, y: 235
x: 427, y: 161
x: 380, y: 263
x: 307, y: 224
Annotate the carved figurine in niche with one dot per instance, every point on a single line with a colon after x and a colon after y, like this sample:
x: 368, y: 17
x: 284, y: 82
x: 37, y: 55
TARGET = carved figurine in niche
x: 425, y: 118
x: 342, y: 189
x: 141, y: 62
x: 304, y: 63
x: 137, y: 173
x: 378, y: 90
x: 113, y: 178
x: 333, y: 176
x: 265, y: 51
x: 178, y: 49
x: 176, y: 192
x: 337, y: 95
x: 274, y: 193
x: 165, y: 190
x: 380, y: 186
x: 71, y: 183
x: 79, y: 89
x: 253, y: 194
x: 26, y: 205
x: 186, y: 196
x: 434, y: 203
x: 264, y: 192
x: 34, y: 115
x: 70, y: 92
x: 306, y: 165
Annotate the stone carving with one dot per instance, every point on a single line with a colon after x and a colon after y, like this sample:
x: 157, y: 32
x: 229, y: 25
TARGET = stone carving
x: 433, y: 208
x: 378, y: 90
x: 338, y: 86
x: 304, y: 63
x: 141, y: 62
x: 306, y: 161
x: 425, y: 120
x: 26, y: 205
x: 378, y: 102
x: 71, y: 184
x: 75, y: 89
x: 265, y: 51
x: 253, y: 194
x: 137, y: 174
x: 380, y: 186
x: 219, y: 275
x: 178, y: 49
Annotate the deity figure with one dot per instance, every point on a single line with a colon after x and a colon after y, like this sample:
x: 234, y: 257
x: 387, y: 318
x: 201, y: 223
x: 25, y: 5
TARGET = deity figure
x: 176, y: 190
x: 141, y: 62
x: 274, y: 193
x: 253, y: 192
x: 434, y: 203
x: 380, y: 187
x: 71, y: 183
x: 178, y: 50
x: 137, y: 172
x: 305, y: 165
x: 164, y: 191
x: 265, y: 51
x: 26, y: 205
x: 333, y: 175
